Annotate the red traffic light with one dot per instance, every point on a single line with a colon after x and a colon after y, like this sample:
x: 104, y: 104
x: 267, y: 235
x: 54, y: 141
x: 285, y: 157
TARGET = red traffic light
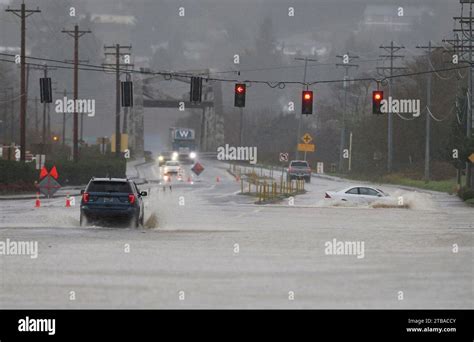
x: 307, y: 105
x: 239, y: 100
x: 240, y: 89
x: 377, y: 97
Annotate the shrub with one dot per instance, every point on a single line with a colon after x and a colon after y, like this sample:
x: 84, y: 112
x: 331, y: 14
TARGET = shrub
x: 20, y: 177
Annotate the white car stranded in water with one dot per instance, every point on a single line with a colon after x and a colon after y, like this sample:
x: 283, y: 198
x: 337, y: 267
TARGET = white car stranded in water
x: 358, y: 194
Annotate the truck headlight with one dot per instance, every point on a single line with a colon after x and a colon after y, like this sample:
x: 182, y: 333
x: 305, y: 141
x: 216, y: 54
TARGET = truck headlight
x: 192, y: 155
x: 161, y: 158
x: 175, y: 156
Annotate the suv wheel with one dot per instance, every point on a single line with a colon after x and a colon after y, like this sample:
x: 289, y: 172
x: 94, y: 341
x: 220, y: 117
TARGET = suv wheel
x: 134, y: 222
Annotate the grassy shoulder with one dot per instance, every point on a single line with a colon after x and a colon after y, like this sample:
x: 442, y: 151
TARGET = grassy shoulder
x: 449, y: 186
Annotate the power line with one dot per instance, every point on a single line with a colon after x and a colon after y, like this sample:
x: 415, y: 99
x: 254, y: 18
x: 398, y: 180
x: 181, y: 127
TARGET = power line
x: 272, y: 84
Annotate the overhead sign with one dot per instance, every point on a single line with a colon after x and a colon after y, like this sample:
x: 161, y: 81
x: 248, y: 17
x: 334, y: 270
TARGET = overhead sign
x: 284, y: 157
x: 197, y: 169
x: 307, y: 138
x: 48, y: 186
x: 306, y: 147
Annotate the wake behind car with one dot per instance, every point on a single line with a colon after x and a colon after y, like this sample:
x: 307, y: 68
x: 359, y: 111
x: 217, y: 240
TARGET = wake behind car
x: 112, y: 198
x: 299, y: 169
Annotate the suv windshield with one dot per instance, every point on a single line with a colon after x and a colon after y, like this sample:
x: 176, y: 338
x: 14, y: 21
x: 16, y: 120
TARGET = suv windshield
x: 108, y: 186
x: 172, y: 163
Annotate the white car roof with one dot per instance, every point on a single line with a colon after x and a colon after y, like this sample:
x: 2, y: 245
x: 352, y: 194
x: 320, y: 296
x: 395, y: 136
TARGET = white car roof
x: 359, y: 186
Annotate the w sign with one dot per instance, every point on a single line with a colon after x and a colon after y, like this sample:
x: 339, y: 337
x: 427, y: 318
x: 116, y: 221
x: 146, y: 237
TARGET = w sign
x: 183, y: 134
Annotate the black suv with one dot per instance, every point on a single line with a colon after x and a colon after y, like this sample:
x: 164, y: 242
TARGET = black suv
x: 112, y: 198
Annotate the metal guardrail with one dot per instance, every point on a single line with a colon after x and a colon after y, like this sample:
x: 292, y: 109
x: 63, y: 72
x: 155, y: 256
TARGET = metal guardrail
x: 260, y: 182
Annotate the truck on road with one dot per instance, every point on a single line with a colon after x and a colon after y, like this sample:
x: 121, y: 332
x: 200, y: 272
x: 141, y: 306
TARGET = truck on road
x: 183, y: 144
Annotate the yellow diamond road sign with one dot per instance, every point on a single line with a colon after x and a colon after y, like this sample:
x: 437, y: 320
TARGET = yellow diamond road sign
x: 471, y: 158
x: 307, y: 138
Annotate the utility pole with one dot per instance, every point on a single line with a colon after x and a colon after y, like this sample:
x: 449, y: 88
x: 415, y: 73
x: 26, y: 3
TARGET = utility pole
x: 305, y: 87
x: 118, y: 54
x: 346, y: 59
x: 429, y: 48
x: 241, y: 135
x: 64, y: 94
x: 4, y: 117
x: 12, y: 115
x: 23, y: 13
x: 36, y: 117
x: 465, y: 46
x: 76, y: 34
x: 463, y: 49
x: 391, y: 49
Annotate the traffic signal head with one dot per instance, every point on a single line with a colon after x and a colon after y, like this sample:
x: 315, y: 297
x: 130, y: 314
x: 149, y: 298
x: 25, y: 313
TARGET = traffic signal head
x: 307, y: 102
x: 195, y: 92
x: 240, y: 90
x: 127, y: 94
x: 46, y: 94
x: 377, y: 97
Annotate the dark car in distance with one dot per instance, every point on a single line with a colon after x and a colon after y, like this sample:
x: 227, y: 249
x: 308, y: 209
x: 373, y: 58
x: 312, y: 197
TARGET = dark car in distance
x: 112, y: 199
x: 299, y: 169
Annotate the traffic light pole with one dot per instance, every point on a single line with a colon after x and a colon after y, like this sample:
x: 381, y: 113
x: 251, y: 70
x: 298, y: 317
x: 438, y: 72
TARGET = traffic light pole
x: 298, y: 132
x: 241, y: 135
x: 430, y: 48
x: 347, y: 66
x: 23, y: 13
x: 117, y: 54
x: 43, y: 140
